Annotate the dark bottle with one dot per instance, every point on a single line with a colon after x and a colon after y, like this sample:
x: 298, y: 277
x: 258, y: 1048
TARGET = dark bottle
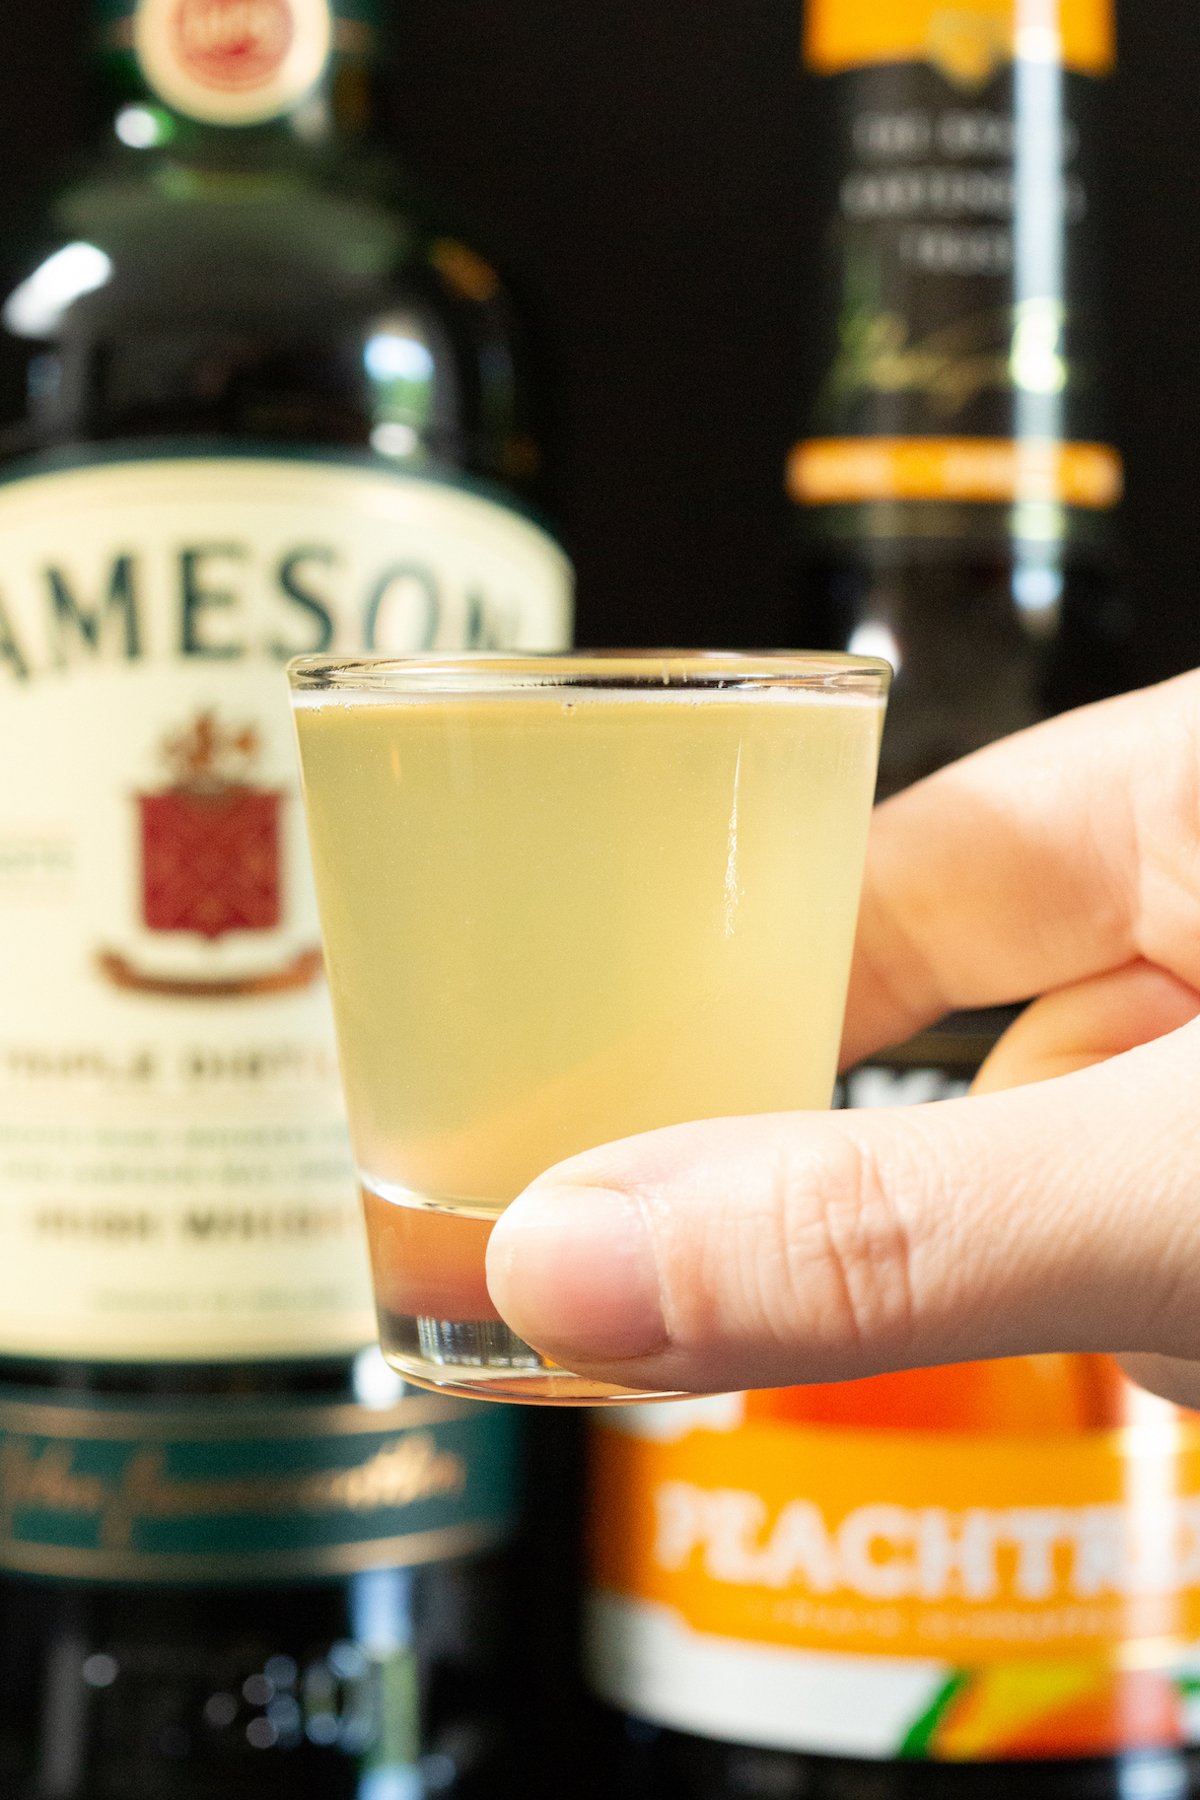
x: 258, y: 400
x: 955, y: 491
x: 960, y: 1583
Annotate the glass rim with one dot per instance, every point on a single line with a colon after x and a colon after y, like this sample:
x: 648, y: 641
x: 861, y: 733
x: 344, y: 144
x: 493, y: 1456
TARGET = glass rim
x: 597, y: 671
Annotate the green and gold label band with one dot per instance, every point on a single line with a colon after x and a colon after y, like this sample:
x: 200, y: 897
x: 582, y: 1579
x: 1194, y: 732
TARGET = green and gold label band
x: 242, y: 1491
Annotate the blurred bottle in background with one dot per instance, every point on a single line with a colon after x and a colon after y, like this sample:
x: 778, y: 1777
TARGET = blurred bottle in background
x: 955, y: 493
x: 258, y: 399
x: 947, y: 1582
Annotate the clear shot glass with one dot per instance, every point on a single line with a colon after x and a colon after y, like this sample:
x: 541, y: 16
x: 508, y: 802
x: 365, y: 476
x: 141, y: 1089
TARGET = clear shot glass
x: 566, y: 899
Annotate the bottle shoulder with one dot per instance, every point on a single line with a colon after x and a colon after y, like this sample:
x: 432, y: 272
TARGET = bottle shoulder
x: 353, y: 226
x: 287, y: 299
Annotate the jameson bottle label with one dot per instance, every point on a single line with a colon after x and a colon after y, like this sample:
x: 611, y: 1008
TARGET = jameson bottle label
x: 960, y: 388
x: 237, y: 62
x: 172, y: 1152
x: 245, y: 1491
x: 986, y: 1564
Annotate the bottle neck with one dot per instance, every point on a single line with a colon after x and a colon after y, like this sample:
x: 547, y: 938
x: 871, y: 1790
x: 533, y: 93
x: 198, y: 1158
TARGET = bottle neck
x: 234, y: 72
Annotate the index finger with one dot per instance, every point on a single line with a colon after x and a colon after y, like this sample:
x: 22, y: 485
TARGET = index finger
x: 1064, y: 852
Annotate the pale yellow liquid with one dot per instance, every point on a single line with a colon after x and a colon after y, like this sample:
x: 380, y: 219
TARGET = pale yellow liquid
x: 553, y: 921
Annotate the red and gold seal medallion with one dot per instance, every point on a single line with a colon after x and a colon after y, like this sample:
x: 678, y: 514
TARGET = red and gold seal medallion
x: 211, y: 861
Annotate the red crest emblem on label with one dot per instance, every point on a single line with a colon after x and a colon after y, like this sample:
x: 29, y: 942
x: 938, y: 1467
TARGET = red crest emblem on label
x: 211, y: 841
x: 232, y: 45
x: 212, y: 857
x: 210, y: 864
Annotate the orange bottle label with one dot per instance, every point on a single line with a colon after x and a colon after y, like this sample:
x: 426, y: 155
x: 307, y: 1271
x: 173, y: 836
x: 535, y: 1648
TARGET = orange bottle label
x: 1001, y: 1561
x: 969, y: 40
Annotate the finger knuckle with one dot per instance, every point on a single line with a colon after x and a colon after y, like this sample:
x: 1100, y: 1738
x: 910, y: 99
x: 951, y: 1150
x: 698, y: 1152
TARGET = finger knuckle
x: 845, y: 1238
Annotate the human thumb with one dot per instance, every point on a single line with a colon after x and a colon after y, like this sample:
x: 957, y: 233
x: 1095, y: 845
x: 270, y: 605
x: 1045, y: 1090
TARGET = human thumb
x: 809, y: 1247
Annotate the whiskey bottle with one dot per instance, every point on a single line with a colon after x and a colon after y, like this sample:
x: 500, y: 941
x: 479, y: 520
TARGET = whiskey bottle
x: 259, y: 398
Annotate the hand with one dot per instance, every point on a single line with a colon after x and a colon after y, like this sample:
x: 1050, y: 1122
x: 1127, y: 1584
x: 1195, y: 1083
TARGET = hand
x: 1060, y: 1215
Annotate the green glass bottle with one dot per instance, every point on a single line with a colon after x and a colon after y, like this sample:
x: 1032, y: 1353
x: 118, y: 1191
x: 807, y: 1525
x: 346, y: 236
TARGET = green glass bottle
x: 258, y: 399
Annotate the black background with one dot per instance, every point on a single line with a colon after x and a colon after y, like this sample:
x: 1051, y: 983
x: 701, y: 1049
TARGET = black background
x: 646, y: 168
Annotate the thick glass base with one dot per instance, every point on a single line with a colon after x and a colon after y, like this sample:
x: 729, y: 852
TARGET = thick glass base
x: 437, y: 1324
x: 485, y: 1360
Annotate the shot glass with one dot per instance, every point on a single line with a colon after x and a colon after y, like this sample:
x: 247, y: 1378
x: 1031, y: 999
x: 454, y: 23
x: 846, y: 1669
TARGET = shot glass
x: 566, y: 899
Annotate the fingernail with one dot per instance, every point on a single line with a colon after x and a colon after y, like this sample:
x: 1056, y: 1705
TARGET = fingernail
x: 573, y: 1271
